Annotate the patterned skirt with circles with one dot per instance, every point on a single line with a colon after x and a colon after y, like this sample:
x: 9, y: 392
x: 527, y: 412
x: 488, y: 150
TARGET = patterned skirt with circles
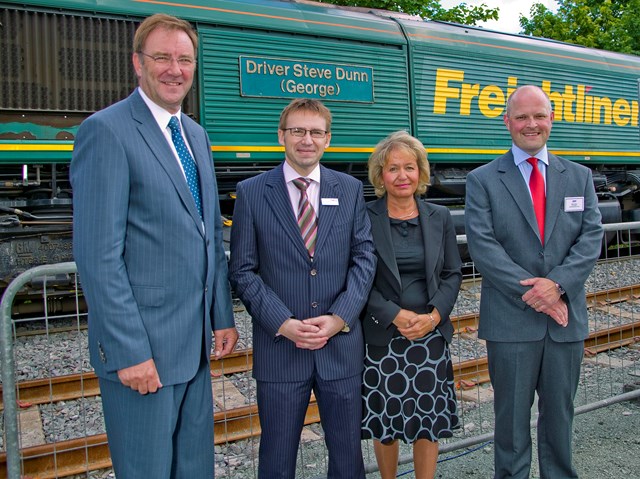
x: 408, y: 390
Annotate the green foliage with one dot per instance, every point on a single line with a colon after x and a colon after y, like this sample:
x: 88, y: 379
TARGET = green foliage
x: 607, y: 24
x: 428, y: 9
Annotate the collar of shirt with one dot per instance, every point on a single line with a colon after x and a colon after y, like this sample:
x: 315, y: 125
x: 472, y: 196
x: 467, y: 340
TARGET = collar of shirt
x: 520, y: 155
x: 313, y: 191
x: 161, y: 115
x: 520, y: 158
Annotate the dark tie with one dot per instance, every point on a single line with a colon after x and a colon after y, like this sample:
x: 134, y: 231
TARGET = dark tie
x: 536, y: 185
x: 307, y: 219
x: 187, y: 161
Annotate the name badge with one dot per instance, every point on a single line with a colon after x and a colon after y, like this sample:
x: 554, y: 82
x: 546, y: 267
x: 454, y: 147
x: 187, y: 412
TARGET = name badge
x: 329, y: 201
x: 573, y: 203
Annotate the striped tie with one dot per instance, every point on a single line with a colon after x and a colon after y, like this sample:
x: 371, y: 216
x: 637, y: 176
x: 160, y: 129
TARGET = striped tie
x: 307, y: 219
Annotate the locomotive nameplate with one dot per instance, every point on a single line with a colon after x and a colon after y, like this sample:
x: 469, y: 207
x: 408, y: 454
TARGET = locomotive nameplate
x: 283, y: 78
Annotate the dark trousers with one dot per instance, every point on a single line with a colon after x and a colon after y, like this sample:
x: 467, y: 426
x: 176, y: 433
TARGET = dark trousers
x: 282, y: 408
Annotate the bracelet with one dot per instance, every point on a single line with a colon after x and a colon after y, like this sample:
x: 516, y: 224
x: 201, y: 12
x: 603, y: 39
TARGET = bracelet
x: 431, y: 318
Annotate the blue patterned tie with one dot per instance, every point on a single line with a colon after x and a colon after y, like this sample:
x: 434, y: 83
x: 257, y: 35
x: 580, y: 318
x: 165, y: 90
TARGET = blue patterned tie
x: 187, y: 161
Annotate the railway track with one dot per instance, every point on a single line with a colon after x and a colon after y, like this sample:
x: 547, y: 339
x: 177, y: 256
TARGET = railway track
x: 91, y: 453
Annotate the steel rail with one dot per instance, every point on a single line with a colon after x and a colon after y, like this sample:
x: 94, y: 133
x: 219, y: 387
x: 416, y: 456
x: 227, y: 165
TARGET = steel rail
x: 76, y: 456
x: 41, y: 391
x: 91, y: 453
x: 71, y: 386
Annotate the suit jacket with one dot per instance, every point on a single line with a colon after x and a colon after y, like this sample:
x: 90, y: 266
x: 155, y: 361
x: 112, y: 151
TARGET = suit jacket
x: 272, y: 274
x: 505, y: 246
x: 154, y: 279
x: 442, y: 268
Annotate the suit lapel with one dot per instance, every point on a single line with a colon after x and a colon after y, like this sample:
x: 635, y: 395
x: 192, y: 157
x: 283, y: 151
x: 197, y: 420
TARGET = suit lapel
x: 157, y: 143
x: 432, y: 241
x: 381, y: 231
x: 200, y: 152
x: 276, y: 196
x: 519, y: 190
x: 556, y: 187
x: 329, y: 188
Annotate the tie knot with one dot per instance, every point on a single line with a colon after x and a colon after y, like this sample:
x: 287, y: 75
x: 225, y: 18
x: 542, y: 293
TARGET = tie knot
x: 302, y: 183
x: 174, y: 124
x: 533, y: 161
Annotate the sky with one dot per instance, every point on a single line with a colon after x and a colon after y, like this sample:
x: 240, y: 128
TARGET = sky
x: 510, y: 11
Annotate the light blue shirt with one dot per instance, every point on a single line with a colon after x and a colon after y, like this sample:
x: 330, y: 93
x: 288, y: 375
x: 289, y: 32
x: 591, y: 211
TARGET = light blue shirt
x: 520, y: 158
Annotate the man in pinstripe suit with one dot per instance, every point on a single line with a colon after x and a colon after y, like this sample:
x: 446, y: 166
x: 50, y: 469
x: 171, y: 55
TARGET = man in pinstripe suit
x: 152, y: 264
x: 304, y: 298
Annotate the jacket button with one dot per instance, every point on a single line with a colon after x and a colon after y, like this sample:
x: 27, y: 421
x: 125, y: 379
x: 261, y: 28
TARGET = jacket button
x: 314, y: 305
x: 314, y: 272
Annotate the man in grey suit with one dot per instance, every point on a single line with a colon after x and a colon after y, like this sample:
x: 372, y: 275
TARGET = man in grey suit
x: 534, y: 233
x: 148, y: 244
x: 302, y: 261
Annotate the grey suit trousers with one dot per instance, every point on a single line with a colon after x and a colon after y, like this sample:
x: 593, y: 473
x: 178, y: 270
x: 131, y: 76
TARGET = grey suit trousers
x: 519, y: 370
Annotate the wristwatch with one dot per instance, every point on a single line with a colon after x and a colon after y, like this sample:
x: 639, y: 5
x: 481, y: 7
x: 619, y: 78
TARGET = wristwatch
x: 560, y: 289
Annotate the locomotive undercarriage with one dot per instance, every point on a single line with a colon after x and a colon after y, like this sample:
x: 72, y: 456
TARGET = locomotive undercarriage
x: 35, y: 218
x: 36, y: 206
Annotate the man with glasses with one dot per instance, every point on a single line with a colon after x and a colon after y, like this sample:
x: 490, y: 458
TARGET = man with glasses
x: 302, y: 261
x: 148, y: 244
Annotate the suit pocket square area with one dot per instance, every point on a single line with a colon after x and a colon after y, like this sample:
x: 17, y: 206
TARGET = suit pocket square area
x: 149, y: 296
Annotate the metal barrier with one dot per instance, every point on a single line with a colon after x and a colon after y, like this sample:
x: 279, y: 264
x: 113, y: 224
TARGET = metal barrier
x: 9, y: 390
x: 54, y: 289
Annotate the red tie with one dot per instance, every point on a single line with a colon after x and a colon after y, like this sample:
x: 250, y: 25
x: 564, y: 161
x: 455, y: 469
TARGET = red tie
x: 536, y: 185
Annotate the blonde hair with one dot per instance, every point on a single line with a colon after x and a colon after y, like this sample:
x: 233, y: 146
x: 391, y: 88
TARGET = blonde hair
x: 399, y: 140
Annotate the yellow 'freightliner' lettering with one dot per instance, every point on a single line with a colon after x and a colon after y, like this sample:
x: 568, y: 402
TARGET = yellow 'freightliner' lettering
x: 574, y: 105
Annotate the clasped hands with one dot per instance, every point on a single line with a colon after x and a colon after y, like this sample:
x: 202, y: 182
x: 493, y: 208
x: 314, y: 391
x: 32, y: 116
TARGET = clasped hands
x: 415, y: 326
x: 545, y: 298
x: 312, y: 333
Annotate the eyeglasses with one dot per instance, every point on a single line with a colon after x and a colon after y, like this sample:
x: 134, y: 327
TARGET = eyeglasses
x: 183, y: 62
x: 301, y: 132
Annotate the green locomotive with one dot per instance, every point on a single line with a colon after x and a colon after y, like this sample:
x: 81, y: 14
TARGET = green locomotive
x: 378, y: 72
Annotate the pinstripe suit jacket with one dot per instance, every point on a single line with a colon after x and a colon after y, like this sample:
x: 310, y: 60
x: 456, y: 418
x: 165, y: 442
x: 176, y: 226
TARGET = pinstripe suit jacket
x: 155, y: 281
x: 271, y: 272
x: 504, y: 243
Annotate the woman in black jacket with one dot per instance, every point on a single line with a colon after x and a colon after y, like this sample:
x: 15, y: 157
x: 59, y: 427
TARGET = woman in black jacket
x: 408, y: 379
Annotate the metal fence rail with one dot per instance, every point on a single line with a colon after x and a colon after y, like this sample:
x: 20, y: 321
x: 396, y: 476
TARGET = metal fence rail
x: 9, y: 396
x: 55, y: 289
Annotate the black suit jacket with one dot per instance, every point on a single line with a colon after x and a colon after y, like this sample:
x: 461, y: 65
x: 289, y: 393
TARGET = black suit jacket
x: 442, y: 267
